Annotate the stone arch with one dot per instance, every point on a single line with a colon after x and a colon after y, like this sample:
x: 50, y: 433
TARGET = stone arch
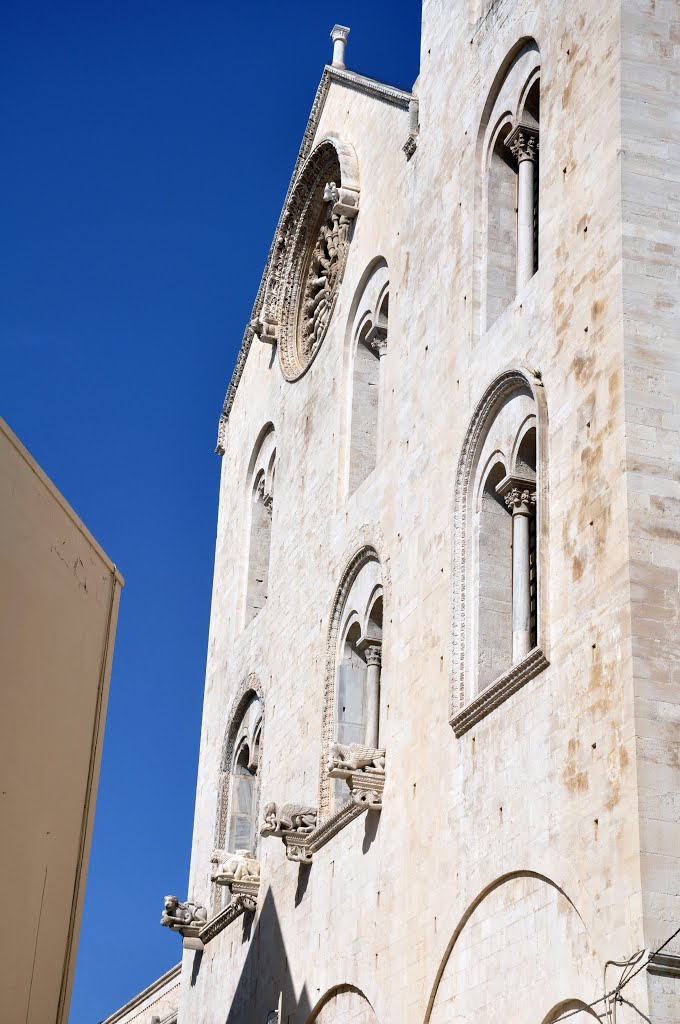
x: 498, y: 263
x: 249, y: 691
x: 341, y: 1004
x: 518, y: 909
x: 362, y: 557
x: 309, y: 255
x: 465, y: 577
x: 577, y: 1011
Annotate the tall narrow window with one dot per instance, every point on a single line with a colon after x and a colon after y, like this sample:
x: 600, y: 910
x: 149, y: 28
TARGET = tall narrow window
x: 260, y: 545
x: 365, y: 402
x: 509, y: 147
x: 494, y: 553
x: 358, y: 666
x: 368, y: 340
x: 260, y: 512
x: 239, y: 782
x: 500, y: 546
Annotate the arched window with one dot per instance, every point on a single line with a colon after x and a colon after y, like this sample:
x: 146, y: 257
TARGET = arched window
x: 500, y: 548
x: 261, y: 505
x: 239, y: 782
x: 368, y: 328
x: 357, y: 663
x: 509, y: 147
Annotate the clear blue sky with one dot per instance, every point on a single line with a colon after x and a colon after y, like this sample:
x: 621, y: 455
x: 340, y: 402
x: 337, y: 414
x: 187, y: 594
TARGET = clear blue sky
x: 145, y: 153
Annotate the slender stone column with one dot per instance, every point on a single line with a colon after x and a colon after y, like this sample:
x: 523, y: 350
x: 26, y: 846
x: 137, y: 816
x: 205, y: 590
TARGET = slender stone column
x: 523, y: 141
x: 339, y: 35
x: 373, y: 661
x: 521, y: 502
x: 377, y: 339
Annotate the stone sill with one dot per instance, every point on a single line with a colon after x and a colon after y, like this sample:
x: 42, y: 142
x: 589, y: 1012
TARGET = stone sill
x: 499, y: 691
x: 367, y: 789
x: 244, y: 899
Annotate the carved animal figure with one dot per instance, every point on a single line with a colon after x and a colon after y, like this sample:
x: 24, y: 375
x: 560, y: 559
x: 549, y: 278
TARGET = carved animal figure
x: 354, y: 757
x: 234, y: 867
x: 288, y: 818
x: 181, y: 915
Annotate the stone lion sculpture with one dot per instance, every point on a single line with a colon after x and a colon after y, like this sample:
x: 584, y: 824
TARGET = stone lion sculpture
x: 234, y: 867
x: 182, y: 915
x: 355, y: 757
x: 288, y: 818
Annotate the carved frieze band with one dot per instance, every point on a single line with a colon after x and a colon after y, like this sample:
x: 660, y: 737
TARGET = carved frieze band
x: 499, y: 691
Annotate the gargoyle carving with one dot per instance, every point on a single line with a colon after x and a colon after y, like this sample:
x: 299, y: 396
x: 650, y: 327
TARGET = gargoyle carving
x: 288, y: 818
x: 234, y: 867
x: 355, y: 757
x: 187, y: 918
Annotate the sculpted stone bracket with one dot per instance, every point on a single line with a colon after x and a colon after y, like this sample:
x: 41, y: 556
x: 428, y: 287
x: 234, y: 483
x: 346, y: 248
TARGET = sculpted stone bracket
x: 244, y: 900
x: 186, y: 918
x: 240, y: 873
x: 363, y: 768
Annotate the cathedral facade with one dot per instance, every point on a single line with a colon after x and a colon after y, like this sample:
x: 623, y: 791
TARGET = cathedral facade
x: 438, y: 776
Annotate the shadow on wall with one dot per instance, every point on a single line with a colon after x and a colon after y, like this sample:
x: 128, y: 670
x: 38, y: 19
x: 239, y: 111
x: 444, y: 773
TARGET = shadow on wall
x: 265, y: 975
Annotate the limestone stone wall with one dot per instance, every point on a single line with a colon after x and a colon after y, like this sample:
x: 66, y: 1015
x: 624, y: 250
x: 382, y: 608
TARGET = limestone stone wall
x: 650, y: 173
x: 509, y: 863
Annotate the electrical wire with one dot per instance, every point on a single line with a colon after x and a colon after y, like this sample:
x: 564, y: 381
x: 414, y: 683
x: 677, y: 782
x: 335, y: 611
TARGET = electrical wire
x: 615, y: 992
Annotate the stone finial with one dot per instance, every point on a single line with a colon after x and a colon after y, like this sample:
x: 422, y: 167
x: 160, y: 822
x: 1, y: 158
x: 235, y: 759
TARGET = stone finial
x: 339, y: 35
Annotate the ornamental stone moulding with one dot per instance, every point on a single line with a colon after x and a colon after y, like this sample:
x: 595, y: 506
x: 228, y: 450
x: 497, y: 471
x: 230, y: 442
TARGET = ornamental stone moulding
x: 363, y: 769
x: 309, y: 256
x: 186, y: 918
x: 240, y: 873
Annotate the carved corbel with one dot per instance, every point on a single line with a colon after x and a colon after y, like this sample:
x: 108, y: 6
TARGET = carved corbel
x: 186, y: 918
x: 265, y: 330
x: 363, y: 769
x: 294, y: 824
x: 345, y: 200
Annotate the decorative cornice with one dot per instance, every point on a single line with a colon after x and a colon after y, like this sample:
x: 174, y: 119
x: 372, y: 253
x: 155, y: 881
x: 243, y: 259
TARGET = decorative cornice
x: 367, y: 86
x: 370, y: 87
x: 156, y: 988
x: 499, y: 691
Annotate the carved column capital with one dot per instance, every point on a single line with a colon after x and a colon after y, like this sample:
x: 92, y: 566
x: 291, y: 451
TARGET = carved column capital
x: 519, y: 494
x: 377, y: 339
x: 520, y: 502
x: 373, y: 654
x: 523, y: 143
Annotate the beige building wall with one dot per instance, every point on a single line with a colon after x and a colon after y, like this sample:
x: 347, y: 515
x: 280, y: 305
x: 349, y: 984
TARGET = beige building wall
x: 513, y: 856
x: 59, y: 597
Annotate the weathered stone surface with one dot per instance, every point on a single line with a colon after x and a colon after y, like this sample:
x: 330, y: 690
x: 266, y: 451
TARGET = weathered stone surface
x: 519, y: 850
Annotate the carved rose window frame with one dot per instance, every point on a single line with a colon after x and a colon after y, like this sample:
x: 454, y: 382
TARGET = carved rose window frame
x: 309, y: 257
